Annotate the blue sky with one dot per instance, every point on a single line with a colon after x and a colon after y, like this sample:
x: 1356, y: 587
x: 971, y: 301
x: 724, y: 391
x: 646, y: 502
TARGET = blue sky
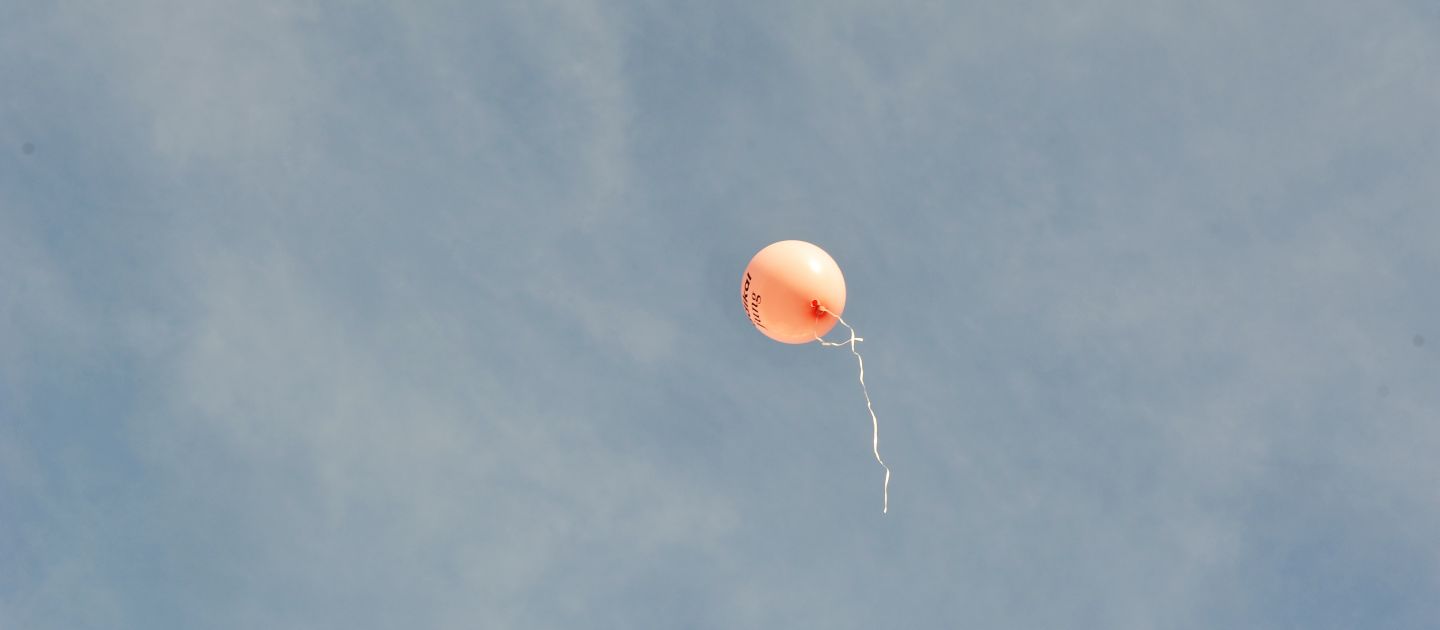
x: 323, y: 315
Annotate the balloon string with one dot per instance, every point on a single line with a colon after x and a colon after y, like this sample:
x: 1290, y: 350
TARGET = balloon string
x: 874, y: 423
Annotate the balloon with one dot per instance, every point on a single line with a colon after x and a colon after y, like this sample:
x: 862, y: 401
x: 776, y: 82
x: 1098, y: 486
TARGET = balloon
x: 788, y: 288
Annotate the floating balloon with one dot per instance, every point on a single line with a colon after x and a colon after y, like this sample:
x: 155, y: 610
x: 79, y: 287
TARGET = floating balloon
x: 793, y: 292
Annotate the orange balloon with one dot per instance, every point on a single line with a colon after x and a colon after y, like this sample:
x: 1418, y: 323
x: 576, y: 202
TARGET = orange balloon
x: 784, y: 288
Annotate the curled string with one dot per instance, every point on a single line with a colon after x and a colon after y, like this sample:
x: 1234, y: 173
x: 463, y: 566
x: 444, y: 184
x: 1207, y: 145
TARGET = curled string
x: 874, y: 423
